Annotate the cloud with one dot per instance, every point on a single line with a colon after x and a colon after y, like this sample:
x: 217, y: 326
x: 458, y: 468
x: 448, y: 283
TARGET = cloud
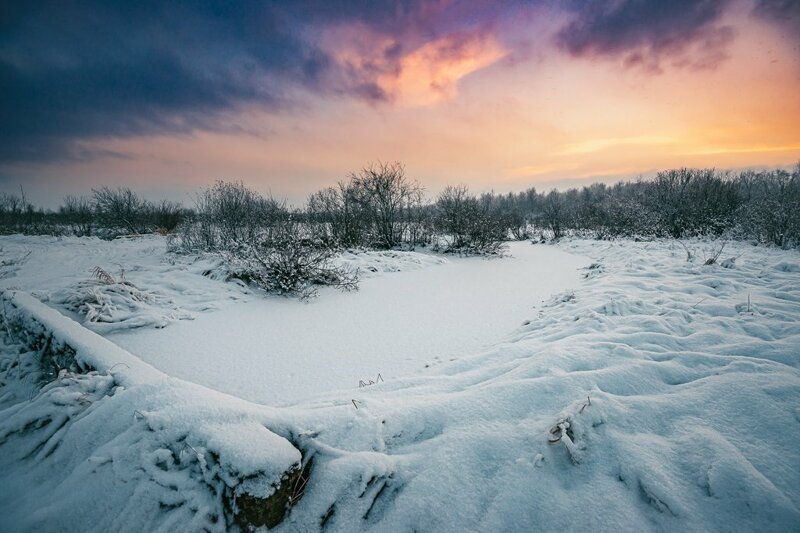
x: 408, y: 71
x: 429, y: 74
x: 784, y: 14
x: 73, y: 71
x: 645, y: 33
x: 598, y: 145
x: 714, y: 150
x: 93, y: 69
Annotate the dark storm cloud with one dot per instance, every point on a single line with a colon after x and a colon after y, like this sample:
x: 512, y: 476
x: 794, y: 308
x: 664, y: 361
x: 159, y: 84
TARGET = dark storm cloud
x: 785, y: 14
x: 644, y: 32
x: 76, y: 70
x: 779, y: 10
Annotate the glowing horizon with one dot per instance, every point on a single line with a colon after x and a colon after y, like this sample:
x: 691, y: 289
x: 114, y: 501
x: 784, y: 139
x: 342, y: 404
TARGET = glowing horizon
x: 503, y: 97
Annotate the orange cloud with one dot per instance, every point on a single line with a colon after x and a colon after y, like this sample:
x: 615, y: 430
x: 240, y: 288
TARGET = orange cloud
x: 596, y: 145
x: 715, y: 150
x: 410, y: 72
x: 430, y: 73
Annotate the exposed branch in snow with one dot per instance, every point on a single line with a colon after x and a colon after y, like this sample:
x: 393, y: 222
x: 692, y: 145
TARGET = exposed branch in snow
x: 713, y: 259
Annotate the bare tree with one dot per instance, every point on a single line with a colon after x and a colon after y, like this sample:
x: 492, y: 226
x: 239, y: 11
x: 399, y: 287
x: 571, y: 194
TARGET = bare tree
x: 386, y: 192
x: 77, y: 211
x: 554, y: 213
x: 468, y: 223
x: 121, y: 209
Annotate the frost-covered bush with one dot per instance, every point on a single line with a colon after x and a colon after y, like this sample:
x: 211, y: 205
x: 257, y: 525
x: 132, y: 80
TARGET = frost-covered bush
x: 121, y: 211
x: 466, y: 226
x: 107, y: 303
x: 227, y: 215
x: 772, y: 210
x: 290, y: 261
x: 377, y: 207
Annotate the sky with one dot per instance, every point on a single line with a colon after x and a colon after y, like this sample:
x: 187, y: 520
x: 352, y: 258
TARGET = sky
x: 289, y: 97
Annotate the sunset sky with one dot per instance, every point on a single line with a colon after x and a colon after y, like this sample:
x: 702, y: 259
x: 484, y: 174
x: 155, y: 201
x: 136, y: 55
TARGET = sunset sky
x: 166, y: 97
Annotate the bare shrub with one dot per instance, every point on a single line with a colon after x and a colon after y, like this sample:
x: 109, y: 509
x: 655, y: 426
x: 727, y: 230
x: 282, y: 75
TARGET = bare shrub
x: 387, y: 194
x: 772, y: 212
x: 16, y: 214
x: 467, y: 225
x: 121, y: 211
x: 166, y: 215
x: 78, y: 212
x: 290, y: 261
x: 341, y: 214
x: 227, y: 216
x: 715, y: 255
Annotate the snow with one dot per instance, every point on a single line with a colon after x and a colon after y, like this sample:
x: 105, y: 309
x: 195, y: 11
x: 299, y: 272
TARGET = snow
x: 621, y: 387
x: 278, y: 351
x: 411, y: 310
x: 91, y: 350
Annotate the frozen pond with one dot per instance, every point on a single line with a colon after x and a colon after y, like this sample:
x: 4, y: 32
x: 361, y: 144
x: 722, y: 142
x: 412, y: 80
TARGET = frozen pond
x: 278, y: 350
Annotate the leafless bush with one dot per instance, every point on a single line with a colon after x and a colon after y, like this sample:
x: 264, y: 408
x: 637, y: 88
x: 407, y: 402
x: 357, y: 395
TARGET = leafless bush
x: 340, y: 214
x: 378, y: 206
x: 290, y: 261
x: 78, y: 212
x: 166, y: 215
x: 772, y: 207
x: 228, y: 215
x: 237, y: 212
x: 17, y: 214
x: 121, y: 210
x: 466, y: 225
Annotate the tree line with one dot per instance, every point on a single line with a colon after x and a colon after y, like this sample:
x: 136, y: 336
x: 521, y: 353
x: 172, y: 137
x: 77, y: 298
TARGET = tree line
x: 381, y: 207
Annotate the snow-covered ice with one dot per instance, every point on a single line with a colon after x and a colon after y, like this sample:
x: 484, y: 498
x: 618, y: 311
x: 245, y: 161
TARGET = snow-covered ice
x: 276, y: 350
x: 411, y: 310
x: 633, y: 390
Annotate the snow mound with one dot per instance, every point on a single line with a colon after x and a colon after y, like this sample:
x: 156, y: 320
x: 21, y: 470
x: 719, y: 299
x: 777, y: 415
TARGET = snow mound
x: 112, y: 305
x: 114, y: 439
x: 640, y: 400
x: 657, y: 394
x: 370, y: 262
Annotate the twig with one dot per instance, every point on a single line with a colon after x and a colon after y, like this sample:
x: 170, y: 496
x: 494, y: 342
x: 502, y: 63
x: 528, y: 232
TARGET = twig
x: 298, y: 491
x: 689, y: 254
x: 187, y: 445
x: 713, y: 259
x: 587, y: 404
x: 116, y: 365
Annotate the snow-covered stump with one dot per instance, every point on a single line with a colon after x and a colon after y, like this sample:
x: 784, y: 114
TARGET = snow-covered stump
x: 88, y: 429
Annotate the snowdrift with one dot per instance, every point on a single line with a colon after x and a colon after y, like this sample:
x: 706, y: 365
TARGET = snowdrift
x: 658, y: 394
x: 112, y: 443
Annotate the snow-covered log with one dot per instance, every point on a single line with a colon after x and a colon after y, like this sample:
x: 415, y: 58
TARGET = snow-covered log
x: 158, y: 452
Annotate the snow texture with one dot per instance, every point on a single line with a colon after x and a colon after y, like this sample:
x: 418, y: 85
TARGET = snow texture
x: 654, y: 393
x: 115, y: 444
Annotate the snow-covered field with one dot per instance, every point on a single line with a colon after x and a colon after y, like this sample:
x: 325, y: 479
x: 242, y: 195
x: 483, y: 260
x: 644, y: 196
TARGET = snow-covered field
x: 277, y: 350
x: 412, y: 310
x: 589, y: 385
